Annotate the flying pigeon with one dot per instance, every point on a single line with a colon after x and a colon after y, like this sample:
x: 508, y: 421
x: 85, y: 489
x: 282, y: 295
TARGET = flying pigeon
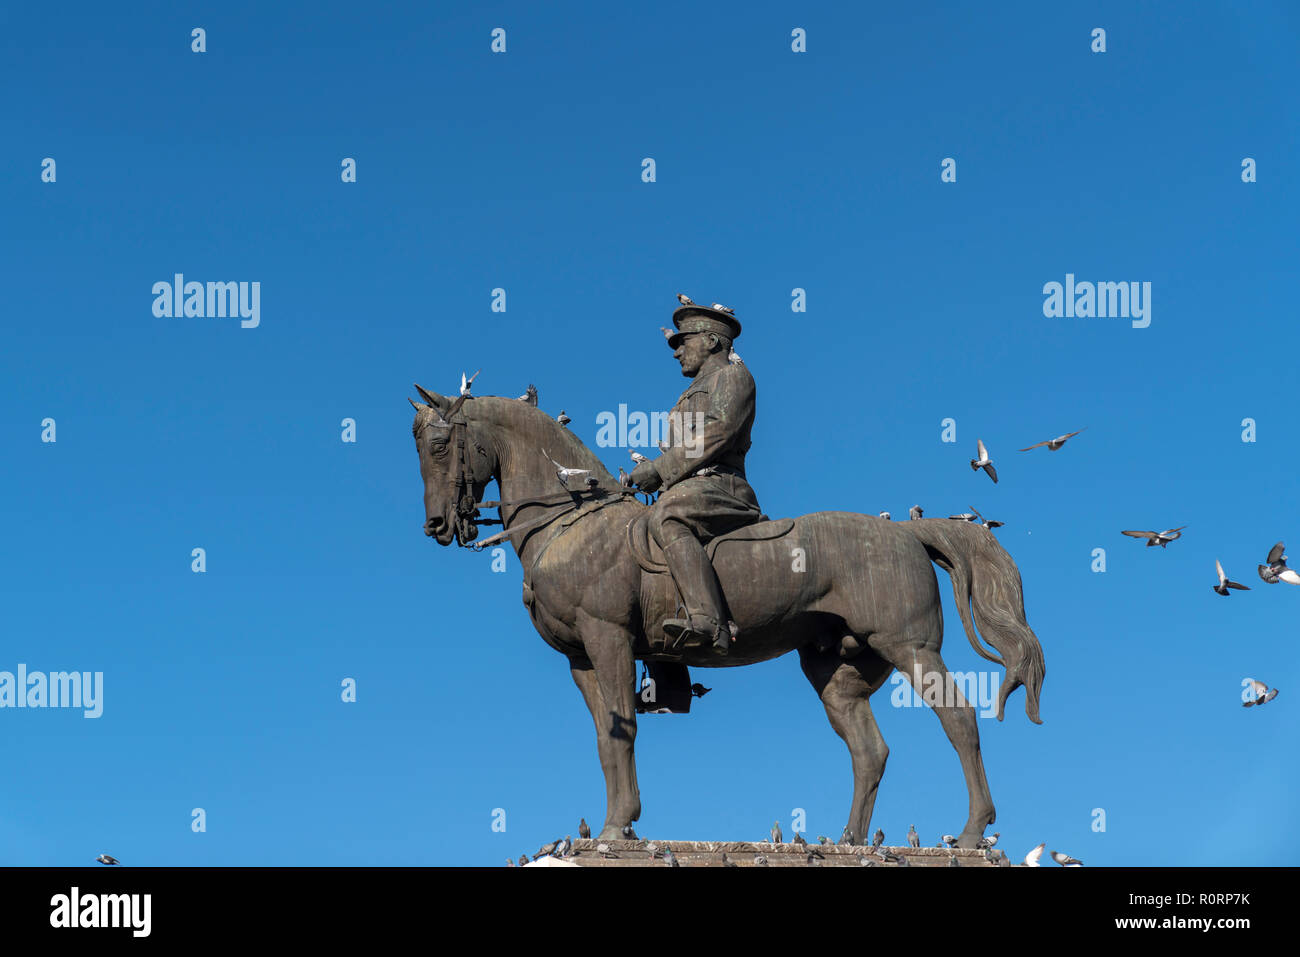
x: 685, y: 300
x: 1276, y: 570
x: 913, y: 838
x: 776, y: 832
x: 721, y: 308
x: 1224, y: 584
x: 1031, y: 859
x: 878, y: 838
x: 1263, y: 694
x: 1065, y: 860
x: 984, y: 462
x: 699, y: 690
x: 1158, y: 538
x: 562, y: 418
x: 915, y: 512
x: 530, y: 396
x: 886, y: 516
x: 1056, y: 443
x: 466, y: 383
x: 107, y: 859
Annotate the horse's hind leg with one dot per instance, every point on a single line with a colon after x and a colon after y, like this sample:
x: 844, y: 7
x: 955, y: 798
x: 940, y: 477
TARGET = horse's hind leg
x: 845, y: 688
x: 932, y: 681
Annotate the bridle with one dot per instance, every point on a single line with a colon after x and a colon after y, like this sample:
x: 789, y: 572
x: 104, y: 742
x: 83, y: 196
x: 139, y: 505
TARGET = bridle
x: 463, y: 484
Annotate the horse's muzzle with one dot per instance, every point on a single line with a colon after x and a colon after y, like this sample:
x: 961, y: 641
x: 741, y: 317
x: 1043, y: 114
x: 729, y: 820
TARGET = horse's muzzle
x: 439, y: 529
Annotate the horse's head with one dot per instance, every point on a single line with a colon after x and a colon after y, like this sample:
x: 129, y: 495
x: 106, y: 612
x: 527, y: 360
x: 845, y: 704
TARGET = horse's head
x: 454, y: 466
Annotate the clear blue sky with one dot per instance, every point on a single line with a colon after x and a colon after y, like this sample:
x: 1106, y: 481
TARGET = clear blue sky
x: 775, y: 170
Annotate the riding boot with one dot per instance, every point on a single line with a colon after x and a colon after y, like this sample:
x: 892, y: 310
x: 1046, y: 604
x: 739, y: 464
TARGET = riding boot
x: 692, y: 573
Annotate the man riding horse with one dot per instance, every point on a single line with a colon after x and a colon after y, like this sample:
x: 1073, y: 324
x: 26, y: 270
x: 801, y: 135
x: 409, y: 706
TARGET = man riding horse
x: 702, y: 471
x: 869, y: 604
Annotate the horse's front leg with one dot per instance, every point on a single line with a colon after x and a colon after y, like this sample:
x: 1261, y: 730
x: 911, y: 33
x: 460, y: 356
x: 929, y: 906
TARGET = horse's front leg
x: 606, y: 679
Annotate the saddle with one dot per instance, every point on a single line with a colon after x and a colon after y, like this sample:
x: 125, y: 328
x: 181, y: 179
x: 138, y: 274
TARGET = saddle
x: 650, y: 556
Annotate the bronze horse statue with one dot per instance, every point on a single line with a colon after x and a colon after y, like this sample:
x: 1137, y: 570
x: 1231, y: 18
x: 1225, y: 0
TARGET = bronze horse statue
x: 858, y: 599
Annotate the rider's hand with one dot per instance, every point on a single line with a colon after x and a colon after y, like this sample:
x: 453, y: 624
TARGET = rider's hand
x: 646, y: 477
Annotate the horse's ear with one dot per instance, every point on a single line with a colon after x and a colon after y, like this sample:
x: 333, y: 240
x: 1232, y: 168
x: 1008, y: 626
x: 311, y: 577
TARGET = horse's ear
x: 439, y: 403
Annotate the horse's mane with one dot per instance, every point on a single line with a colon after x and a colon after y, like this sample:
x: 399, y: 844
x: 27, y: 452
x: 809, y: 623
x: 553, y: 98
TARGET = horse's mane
x: 538, y: 429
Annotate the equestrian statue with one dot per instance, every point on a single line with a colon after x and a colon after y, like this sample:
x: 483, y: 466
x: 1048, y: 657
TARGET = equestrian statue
x: 701, y: 578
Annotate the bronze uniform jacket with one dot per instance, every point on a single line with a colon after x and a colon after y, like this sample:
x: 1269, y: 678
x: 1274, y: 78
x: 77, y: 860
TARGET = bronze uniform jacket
x: 717, y: 412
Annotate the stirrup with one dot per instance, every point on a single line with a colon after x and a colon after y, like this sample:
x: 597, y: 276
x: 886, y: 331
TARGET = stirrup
x: 684, y: 636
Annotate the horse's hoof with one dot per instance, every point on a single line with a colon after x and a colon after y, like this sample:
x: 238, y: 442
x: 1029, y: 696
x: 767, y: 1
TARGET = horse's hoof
x: 969, y: 841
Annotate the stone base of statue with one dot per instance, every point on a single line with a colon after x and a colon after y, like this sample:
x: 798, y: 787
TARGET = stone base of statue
x: 649, y: 853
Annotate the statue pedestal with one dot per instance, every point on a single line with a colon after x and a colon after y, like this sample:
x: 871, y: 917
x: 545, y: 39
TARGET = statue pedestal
x: 742, y: 854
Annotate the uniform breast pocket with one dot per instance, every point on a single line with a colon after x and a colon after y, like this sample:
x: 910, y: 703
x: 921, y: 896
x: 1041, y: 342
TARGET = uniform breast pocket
x: 697, y: 401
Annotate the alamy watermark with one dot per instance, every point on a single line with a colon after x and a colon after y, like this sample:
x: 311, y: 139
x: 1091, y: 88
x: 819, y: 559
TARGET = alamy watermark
x: 128, y: 911
x: 214, y: 300
x: 639, y: 430
x: 58, y: 689
x: 950, y: 689
x: 1104, y: 300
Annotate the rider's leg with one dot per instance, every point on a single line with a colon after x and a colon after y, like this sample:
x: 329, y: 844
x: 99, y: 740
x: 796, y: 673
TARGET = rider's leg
x: 694, y: 577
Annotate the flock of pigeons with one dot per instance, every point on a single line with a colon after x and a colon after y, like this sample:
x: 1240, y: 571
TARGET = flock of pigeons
x: 887, y: 856
x: 1274, y: 569
x: 985, y: 462
x: 563, y: 848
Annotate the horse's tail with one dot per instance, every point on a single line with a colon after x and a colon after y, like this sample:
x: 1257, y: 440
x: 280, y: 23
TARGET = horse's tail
x: 983, y: 575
